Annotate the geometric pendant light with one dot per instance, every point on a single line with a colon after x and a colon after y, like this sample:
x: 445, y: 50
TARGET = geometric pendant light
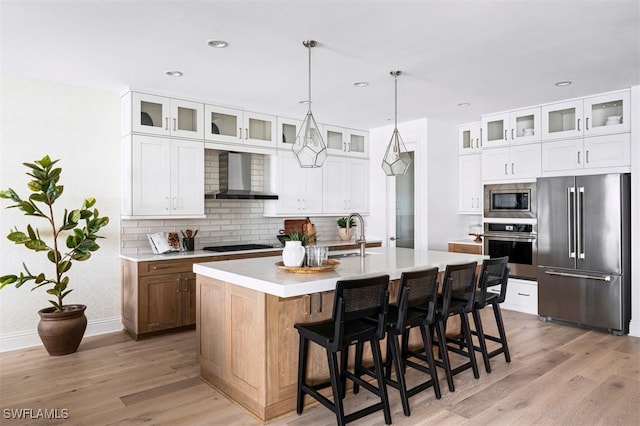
x: 309, y: 148
x: 396, y: 159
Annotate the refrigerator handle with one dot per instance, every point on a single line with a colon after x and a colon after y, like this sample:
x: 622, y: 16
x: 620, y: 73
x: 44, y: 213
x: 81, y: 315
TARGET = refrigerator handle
x: 579, y: 220
x: 570, y: 224
x: 582, y: 276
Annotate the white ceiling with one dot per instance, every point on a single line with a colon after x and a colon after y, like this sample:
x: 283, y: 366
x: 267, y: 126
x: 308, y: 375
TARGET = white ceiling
x: 495, y: 55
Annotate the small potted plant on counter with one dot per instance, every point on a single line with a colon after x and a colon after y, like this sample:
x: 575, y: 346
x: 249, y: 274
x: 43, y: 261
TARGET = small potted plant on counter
x: 342, y: 228
x: 61, y: 326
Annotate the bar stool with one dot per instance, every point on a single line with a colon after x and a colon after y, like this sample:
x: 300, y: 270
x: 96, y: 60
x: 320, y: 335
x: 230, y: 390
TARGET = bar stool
x: 418, y: 293
x: 359, y: 315
x: 457, y: 299
x: 495, y: 272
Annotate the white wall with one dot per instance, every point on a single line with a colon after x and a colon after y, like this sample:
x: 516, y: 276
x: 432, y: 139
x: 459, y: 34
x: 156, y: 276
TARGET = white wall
x: 634, y: 327
x: 445, y: 223
x: 81, y: 127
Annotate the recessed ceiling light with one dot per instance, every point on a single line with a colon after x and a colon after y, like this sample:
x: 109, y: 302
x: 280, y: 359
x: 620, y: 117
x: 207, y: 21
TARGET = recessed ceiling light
x: 174, y: 73
x: 217, y: 43
x: 563, y: 83
x: 360, y: 83
x: 464, y: 104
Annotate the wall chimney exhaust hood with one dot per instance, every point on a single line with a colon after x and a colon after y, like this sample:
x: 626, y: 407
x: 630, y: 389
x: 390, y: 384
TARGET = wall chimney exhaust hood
x: 235, y: 179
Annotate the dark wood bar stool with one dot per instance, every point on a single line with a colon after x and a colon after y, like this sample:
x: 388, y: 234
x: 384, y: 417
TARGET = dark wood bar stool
x: 457, y: 299
x: 495, y: 272
x: 418, y: 293
x: 359, y: 315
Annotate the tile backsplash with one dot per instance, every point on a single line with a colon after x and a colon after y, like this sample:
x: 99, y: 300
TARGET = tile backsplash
x: 226, y: 222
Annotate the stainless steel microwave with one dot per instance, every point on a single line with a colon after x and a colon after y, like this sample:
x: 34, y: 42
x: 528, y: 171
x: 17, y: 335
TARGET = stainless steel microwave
x: 510, y: 200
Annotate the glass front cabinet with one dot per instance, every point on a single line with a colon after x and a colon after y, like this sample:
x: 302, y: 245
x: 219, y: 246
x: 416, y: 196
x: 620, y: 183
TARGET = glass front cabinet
x: 470, y: 138
x: 342, y: 141
x: 592, y: 116
x: 234, y: 126
x: 162, y: 116
x: 514, y: 127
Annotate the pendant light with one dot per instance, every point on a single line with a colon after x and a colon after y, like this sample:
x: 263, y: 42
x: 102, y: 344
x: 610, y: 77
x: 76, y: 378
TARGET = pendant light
x: 396, y: 159
x: 309, y: 147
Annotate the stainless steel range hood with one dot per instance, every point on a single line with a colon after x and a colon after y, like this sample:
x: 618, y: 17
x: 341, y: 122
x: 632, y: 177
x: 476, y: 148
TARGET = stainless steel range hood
x: 235, y: 179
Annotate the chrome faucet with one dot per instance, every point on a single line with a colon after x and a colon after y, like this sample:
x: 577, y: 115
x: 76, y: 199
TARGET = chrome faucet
x: 362, y: 241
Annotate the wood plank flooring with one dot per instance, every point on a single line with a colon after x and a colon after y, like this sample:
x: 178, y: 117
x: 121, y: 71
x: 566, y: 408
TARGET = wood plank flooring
x: 559, y: 375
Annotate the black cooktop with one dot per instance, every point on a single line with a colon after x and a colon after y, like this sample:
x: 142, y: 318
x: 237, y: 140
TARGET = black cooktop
x: 238, y: 247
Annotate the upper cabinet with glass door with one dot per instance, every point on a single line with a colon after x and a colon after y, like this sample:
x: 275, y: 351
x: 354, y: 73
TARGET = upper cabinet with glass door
x: 595, y: 115
x: 159, y: 115
x: 470, y: 138
x: 238, y: 127
x: 347, y: 142
x: 287, y: 131
x: 515, y: 127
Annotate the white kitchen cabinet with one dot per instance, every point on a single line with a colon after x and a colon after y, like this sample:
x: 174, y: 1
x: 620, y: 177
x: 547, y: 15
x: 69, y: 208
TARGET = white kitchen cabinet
x: 162, y: 116
x: 470, y: 138
x: 345, y: 185
x: 514, y: 162
x: 163, y: 177
x: 299, y: 189
x: 287, y: 130
x: 343, y: 141
x: 587, y: 116
x: 573, y: 155
x: 237, y: 127
x: 470, y: 184
x: 522, y: 296
x: 514, y: 127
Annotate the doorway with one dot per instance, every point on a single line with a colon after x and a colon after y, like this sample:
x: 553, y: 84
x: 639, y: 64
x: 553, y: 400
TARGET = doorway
x: 405, y: 207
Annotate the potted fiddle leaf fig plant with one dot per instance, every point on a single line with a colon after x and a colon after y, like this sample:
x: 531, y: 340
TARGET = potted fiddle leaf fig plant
x: 61, y: 326
x: 345, y: 233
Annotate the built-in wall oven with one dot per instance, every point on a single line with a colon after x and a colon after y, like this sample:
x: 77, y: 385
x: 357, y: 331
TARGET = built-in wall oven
x: 510, y: 226
x: 518, y: 242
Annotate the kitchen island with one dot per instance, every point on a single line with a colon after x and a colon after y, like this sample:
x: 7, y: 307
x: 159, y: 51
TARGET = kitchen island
x: 246, y: 344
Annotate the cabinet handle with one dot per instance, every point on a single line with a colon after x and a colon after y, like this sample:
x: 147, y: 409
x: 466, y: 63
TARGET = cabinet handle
x: 587, y: 156
x: 155, y: 268
x: 344, y: 146
x: 308, y: 312
x: 319, y: 302
x: 239, y: 132
x: 168, y: 203
x: 505, y: 134
x: 578, y: 157
x: 246, y: 133
x: 512, y: 134
x: 586, y: 123
x: 304, y: 204
x: 505, y: 169
x: 578, y: 124
x: 175, y: 203
x: 512, y: 171
x: 166, y: 123
x: 178, y: 285
x: 174, y: 124
x: 523, y: 294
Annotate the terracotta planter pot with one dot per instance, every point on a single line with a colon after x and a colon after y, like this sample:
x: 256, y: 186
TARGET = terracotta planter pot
x: 344, y: 236
x: 62, y: 332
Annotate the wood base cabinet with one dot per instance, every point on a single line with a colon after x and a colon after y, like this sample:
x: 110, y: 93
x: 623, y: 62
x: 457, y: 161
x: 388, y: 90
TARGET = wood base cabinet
x: 158, y: 296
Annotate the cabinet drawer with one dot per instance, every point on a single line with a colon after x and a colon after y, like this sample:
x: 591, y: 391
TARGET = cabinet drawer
x: 465, y: 248
x: 522, y: 296
x: 170, y: 266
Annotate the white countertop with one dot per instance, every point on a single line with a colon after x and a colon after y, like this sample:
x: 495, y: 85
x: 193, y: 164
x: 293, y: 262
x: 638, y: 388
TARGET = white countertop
x: 149, y: 257
x: 261, y: 274
x: 468, y: 241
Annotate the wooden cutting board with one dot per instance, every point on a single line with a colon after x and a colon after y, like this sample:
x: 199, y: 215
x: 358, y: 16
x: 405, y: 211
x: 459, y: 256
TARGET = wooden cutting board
x: 291, y: 225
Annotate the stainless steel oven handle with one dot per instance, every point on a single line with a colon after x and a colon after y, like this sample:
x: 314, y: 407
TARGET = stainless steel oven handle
x: 585, y: 276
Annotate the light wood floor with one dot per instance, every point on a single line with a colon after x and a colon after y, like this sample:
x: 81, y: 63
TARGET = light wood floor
x: 559, y: 375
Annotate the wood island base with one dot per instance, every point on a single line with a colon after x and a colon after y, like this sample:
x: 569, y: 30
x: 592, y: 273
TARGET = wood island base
x: 247, y: 346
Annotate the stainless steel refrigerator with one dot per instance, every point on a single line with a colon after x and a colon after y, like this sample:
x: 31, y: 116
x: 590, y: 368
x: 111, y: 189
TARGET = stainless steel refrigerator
x: 584, y: 250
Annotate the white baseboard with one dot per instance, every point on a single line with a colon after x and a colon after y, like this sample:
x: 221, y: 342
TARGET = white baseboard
x: 634, y: 328
x: 27, y: 339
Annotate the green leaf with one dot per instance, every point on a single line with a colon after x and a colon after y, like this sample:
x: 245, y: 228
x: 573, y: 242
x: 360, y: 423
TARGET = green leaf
x: 72, y: 241
x: 89, y: 202
x: 54, y: 256
x: 37, y: 245
x: 27, y: 207
x: 64, y: 267
x: 7, y: 279
x: 18, y: 237
x: 40, y: 278
x: 74, y: 216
